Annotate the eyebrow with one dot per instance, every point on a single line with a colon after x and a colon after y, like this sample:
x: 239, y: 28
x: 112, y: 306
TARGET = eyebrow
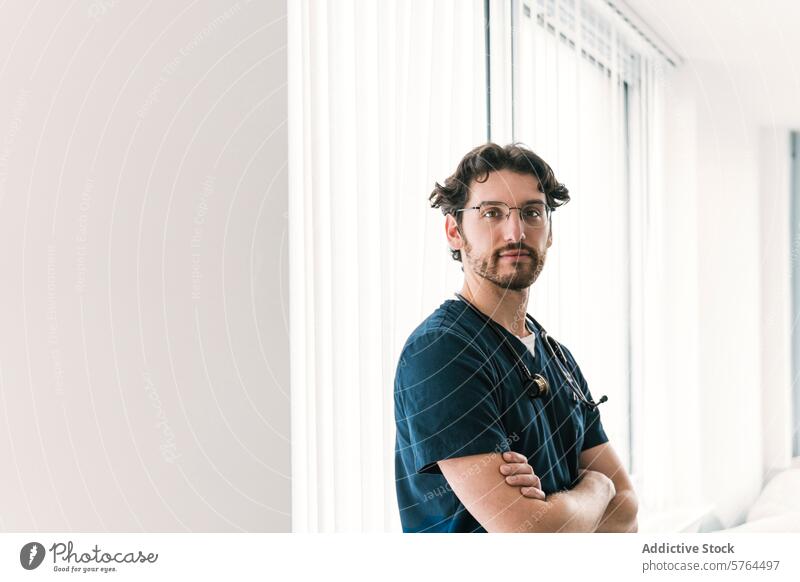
x: 528, y: 203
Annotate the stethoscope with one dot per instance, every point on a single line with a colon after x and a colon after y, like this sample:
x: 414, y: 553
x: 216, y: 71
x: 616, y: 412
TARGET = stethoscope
x: 537, y: 385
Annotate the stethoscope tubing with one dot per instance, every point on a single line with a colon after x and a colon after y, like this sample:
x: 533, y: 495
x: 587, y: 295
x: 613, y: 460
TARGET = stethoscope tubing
x: 554, y: 350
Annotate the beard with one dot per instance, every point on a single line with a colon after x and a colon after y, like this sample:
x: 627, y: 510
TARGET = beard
x: 522, y: 273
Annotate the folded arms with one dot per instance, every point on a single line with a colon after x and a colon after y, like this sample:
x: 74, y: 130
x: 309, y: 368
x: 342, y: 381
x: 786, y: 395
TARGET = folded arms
x: 602, y: 501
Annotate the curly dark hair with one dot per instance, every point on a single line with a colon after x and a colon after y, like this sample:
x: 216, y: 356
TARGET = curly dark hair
x: 491, y: 157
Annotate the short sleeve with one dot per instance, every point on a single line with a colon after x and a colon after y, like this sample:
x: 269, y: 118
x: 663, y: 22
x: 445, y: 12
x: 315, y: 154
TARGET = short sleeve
x: 449, y: 406
x: 594, y: 433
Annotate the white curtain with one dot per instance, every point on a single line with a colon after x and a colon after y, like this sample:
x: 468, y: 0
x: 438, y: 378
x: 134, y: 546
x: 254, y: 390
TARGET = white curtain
x: 385, y: 98
x: 667, y: 425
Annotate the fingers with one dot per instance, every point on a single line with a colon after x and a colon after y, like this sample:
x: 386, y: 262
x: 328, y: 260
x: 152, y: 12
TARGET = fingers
x: 514, y: 457
x: 515, y: 463
x: 515, y: 468
x: 533, y: 493
x: 520, y: 474
x: 528, y: 480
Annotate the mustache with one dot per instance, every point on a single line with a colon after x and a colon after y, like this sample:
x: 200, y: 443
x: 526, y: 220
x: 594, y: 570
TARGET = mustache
x: 520, y: 247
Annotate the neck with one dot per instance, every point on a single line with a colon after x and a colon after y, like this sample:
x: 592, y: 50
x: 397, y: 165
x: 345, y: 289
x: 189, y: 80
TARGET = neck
x: 504, y: 306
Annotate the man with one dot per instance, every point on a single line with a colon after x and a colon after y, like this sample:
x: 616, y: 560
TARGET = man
x: 490, y: 434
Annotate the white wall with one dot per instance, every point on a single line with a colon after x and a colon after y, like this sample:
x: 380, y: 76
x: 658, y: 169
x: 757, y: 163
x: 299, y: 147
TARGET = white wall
x: 720, y: 168
x: 682, y: 272
x: 729, y: 246
x: 143, y: 335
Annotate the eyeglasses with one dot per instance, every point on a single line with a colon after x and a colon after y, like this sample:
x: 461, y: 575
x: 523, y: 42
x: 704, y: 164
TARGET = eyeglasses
x: 535, y: 214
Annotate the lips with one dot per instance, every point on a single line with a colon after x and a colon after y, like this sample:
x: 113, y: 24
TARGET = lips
x: 515, y: 254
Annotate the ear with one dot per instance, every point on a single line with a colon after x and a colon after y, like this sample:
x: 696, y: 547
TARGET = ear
x: 549, y: 235
x: 453, y: 233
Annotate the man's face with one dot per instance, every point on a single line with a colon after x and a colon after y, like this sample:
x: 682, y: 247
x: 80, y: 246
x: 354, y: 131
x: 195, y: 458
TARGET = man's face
x: 509, y: 253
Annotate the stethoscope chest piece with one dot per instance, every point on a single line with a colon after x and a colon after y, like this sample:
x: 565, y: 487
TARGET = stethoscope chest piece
x: 538, y: 386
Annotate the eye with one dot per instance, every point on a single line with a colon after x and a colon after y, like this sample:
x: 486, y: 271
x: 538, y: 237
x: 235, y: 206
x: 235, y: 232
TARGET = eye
x: 492, y: 212
x: 531, y: 212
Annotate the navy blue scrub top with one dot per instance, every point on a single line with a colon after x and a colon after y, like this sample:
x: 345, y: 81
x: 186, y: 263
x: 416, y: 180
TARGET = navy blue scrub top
x: 458, y: 392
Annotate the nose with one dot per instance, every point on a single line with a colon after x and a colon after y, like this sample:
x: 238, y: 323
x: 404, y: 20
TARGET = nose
x: 514, y: 228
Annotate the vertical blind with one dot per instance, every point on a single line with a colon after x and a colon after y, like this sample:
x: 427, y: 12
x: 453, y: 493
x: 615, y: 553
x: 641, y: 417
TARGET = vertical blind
x: 385, y: 98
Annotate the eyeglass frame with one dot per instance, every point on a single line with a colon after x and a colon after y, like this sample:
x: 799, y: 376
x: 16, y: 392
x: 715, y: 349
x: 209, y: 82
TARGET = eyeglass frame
x: 548, y: 210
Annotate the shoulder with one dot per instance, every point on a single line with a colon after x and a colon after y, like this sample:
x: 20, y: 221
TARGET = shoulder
x: 568, y: 354
x: 448, y: 347
x: 450, y: 327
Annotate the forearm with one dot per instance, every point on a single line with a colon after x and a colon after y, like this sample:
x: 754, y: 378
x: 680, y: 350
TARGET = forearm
x: 577, y: 510
x: 620, y: 515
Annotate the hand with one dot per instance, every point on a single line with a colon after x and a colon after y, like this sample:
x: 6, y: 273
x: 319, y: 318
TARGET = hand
x: 520, y: 474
